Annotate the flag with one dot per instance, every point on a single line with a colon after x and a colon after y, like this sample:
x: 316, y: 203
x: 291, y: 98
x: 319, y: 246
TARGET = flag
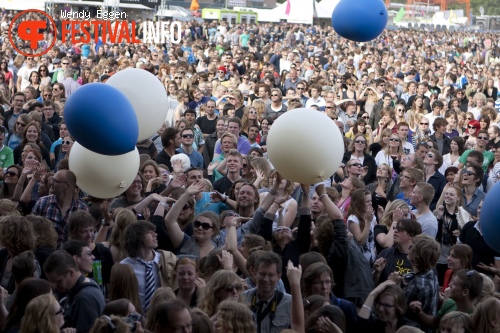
x: 287, y: 10
x: 399, y: 15
x: 194, y: 5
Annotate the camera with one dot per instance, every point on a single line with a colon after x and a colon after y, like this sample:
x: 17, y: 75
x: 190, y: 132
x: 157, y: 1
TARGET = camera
x: 447, y: 239
x: 132, y: 320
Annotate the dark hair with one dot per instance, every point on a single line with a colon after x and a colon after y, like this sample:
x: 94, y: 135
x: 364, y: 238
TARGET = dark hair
x: 268, y: 258
x: 74, y: 247
x: 23, y: 266
x: 169, y: 134
x: 478, y: 170
x: 472, y: 281
x: 26, y: 291
x: 117, y: 307
x: 134, y: 236
x: 412, y: 227
x: 59, y: 262
x: 160, y: 315
x: 460, y: 142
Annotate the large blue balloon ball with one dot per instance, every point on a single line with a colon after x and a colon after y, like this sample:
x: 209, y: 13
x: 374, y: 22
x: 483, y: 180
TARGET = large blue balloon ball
x: 102, y: 119
x: 359, y: 20
x: 490, y: 222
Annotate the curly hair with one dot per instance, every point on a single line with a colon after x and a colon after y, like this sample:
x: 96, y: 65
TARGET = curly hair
x: 389, y: 210
x: 235, y: 317
x: 41, y: 311
x: 46, y: 235
x: 16, y: 235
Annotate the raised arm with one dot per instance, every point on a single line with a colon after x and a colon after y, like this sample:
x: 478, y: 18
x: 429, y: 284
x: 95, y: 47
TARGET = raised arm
x: 174, y: 231
x: 297, y: 314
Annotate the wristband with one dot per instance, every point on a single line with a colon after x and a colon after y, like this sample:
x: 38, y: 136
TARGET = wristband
x: 367, y: 307
x: 224, y: 199
x: 105, y: 223
x: 321, y: 196
x: 273, y: 192
x: 164, y: 204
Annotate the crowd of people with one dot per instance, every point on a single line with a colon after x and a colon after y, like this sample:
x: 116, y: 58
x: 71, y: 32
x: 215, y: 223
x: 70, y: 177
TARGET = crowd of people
x: 209, y: 237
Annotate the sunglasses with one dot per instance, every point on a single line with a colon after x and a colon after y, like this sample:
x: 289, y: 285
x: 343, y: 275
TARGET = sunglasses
x: 188, y: 136
x: 11, y: 174
x: 394, y: 140
x: 278, y: 229
x: 471, y: 127
x: 468, y: 173
x: 360, y: 141
x: 357, y: 165
x: 178, y: 78
x: 186, y: 207
x: 65, y: 63
x: 365, y: 117
x: 252, y: 112
x: 483, y: 138
x: 237, y: 287
x: 274, y: 95
x: 430, y: 156
x: 424, y: 124
x: 66, y: 142
x: 203, y: 225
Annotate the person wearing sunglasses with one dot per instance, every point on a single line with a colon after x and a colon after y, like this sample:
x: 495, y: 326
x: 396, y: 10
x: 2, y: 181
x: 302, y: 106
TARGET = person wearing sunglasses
x: 433, y: 160
x: 222, y: 285
x: 205, y: 227
x: 481, y: 144
x: 358, y: 150
x: 187, y: 139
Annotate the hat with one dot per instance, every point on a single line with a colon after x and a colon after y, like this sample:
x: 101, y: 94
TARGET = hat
x: 56, y: 61
x: 222, y: 68
x: 327, y: 88
x: 400, y: 76
x: 295, y: 51
x: 371, y: 70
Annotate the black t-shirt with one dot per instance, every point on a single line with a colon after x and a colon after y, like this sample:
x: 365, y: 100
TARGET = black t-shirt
x: 223, y: 185
x: 492, y: 145
x: 395, y: 262
x: 206, y: 125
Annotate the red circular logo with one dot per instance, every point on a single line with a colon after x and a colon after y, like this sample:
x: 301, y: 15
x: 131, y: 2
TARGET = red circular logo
x: 28, y: 30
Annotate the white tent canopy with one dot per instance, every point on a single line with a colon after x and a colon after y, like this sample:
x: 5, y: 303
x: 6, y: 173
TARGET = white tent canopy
x: 301, y: 11
x: 329, y: 5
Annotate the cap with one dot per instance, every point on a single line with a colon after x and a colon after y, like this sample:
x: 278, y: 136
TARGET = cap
x: 56, y: 61
x: 295, y: 51
x: 222, y: 68
x: 400, y: 75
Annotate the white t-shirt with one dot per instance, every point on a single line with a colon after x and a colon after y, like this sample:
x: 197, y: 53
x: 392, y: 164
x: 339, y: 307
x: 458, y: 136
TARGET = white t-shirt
x: 24, y: 73
x: 369, y: 248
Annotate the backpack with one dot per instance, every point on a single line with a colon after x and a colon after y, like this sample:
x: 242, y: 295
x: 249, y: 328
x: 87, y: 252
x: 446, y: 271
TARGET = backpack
x: 358, y: 275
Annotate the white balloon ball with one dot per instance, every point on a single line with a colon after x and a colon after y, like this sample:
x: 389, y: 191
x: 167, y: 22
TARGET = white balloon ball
x: 147, y: 95
x: 305, y: 146
x: 103, y: 176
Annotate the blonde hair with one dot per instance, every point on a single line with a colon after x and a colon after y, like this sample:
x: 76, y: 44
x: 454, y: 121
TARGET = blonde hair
x: 40, y: 310
x: 389, y: 211
x: 235, y: 317
x: 162, y: 294
x: 220, y: 280
x: 123, y: 219
x: 9, y: 207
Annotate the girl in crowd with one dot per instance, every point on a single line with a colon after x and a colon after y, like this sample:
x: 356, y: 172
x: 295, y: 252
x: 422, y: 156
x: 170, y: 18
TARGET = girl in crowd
x: 457, y: 148
x: 222, y: 286
x: 451, y: 218
x: 46, y: 312
x: 361, y: 221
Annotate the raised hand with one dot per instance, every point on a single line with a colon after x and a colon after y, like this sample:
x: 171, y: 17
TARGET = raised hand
x: 178, y: 181
x: 293, y: 273
x: 195, y: 188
